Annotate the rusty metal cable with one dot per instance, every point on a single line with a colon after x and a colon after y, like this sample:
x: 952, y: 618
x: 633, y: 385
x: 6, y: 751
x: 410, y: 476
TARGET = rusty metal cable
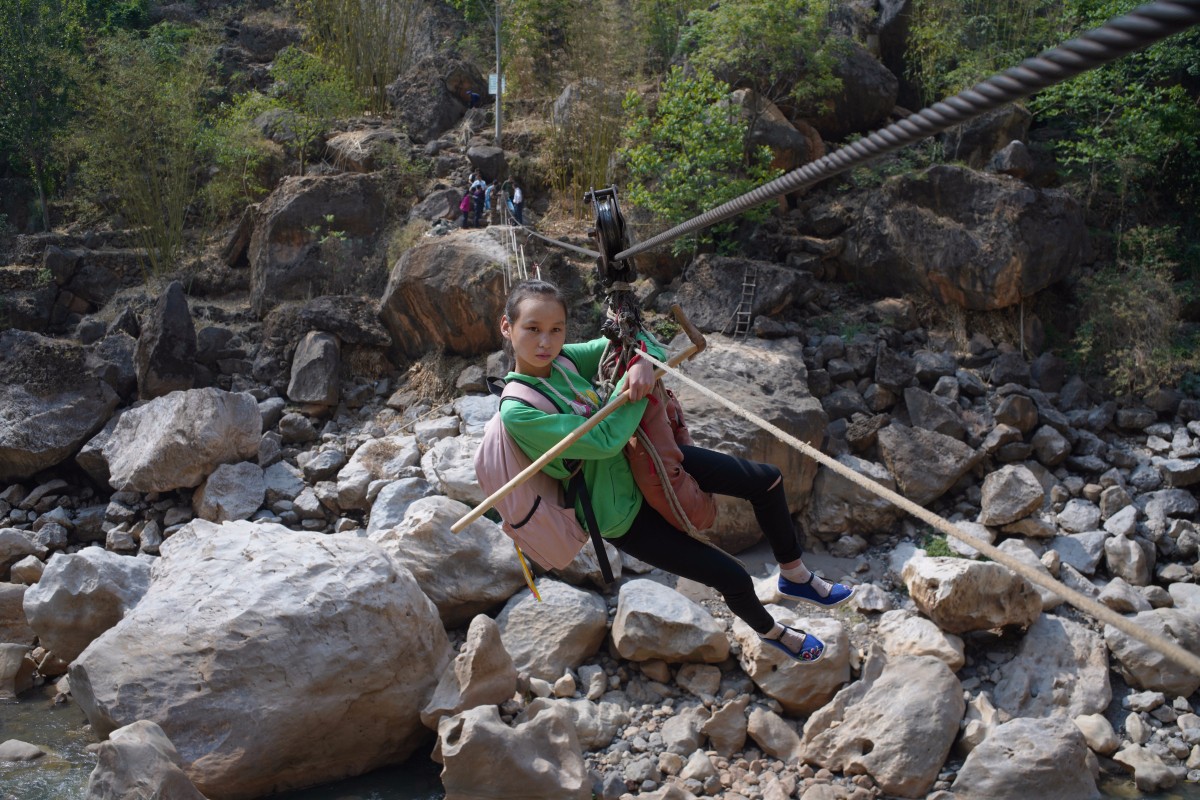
x: 1118, y: 37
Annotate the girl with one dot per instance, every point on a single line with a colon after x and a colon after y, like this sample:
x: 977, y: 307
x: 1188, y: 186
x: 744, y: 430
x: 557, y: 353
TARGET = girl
x: 534, y: 326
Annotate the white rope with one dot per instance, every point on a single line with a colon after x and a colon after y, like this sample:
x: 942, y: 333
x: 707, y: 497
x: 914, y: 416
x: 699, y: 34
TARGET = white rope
x: 1084, y: 603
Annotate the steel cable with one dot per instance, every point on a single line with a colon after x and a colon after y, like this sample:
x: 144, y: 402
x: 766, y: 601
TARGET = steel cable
x: 1118, y: 37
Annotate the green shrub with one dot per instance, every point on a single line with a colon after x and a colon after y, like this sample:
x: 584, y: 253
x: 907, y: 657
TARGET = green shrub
x: 687, y: 154
x: 239, y: 154
x: 141, y: 139
x: 316, y: 92
x: 1130, y: 330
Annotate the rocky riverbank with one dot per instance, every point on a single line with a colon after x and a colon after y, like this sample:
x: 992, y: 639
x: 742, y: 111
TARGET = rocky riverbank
x: 220, y: 572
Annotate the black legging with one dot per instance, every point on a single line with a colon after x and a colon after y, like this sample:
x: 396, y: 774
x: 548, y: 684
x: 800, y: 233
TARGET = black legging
x: 659, y: 543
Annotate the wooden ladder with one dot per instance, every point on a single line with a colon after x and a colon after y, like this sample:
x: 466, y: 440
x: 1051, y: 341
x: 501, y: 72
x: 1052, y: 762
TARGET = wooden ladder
x: 744, y: 313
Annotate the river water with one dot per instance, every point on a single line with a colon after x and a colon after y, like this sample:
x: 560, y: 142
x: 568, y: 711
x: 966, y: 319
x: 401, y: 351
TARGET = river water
x: 63, y: 775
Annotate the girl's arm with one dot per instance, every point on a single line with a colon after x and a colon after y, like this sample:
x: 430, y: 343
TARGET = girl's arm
x: 586, y: 355
x: 535, y: 431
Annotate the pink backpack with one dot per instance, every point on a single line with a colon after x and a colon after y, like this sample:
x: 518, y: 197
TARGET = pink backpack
x: 538, y: 515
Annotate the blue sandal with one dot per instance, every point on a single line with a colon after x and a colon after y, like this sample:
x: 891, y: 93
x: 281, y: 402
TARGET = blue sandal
x: 838, y: 593
x: 809, y: 653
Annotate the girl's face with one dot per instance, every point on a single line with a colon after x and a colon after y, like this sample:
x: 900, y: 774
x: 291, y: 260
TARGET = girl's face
x: 537, y: 335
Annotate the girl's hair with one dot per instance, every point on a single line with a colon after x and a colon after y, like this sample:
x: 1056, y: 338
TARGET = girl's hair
x: 523, y: 291
x: 527, y: 289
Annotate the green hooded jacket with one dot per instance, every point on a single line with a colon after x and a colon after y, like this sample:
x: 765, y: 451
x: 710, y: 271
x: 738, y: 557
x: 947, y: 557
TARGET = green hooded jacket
x: 615, y: 496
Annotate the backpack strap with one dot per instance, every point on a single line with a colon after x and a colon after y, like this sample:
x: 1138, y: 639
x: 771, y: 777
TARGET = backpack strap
x: 575, y: 488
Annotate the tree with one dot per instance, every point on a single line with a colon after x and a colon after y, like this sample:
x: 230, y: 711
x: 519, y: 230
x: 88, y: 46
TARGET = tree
x: 779, y: 48
x: 368, y: 40
x: 142, y: 131
x: 686, y: 155
x: 954, y: 44
x: 38, y: 69
x: 1132, y: 126
x: 316, y: 93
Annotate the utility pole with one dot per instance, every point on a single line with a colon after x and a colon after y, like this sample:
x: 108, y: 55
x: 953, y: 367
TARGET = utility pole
x: 499, y: 76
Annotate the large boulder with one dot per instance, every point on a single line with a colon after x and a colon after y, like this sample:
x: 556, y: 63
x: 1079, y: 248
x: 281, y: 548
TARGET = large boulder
x: 365, y: 150
x: 800, y: 688
x: 448, y: 296
x: 790, y: 148
x: 482, y: 674
x: 1145, y: 667
x: 754, y: 377
x: 1060, y: 668
x: 559, y: 633
x: 896, y: 724
x: 316, y: 367
x: 254, y: 637
x: 975, y: 141
x: 139, y: 761
x: 81, y: 595
x: 840, y: 506
x: 1027, y: 758
x: 981, y: 242
x: 961, y: 595
x: 1009, y: 494
x: 866, y: 97
x: 464, y: 574
x: 48, y: 407
x: 538, y: 759
x: 430, y: 97
x: 285, y: 252
x: 712, y: 289
x: 166, y: 348
x: 177, y: 441
x: 654, y: 621
x: 925, y: 463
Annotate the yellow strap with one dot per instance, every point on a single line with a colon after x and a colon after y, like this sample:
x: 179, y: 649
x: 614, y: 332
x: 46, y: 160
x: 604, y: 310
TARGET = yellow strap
x: 528, y: 574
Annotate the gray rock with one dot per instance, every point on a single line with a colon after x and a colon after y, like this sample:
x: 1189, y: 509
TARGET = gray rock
x: 1079, y: 516
x: 656, y: 622
x: 178, y: 440
x: 1027, y: 758
x: 82, y: 595
x: 1127, y: 559
x: 1009, y: 494
x: 463, y: 574
x: 928, y: 412
x: 896, y: 724
x: 316, y: 365
x: 166, y: 349
x: 1061, y: 667
x: 393, y: 502
x: 1146, y: 668
x: 1081, y: 550
x: 231, y: 492
x: 139, y: 760
x: 1179, y: 472
x: 559, y: 633
x: 48, y: 410
x: 264, y: 595
x: 839, y: 506
x: 925, y: 464
x: 962, y: 596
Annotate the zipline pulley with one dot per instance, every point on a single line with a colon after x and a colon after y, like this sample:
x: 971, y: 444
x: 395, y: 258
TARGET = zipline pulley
x: 614, y: 278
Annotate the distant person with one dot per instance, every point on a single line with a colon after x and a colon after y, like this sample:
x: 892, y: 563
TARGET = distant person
x: 488, y: 194
x: 473, y: 98
x: 464, y: 206
x: 478, y: 182
x: 518, y: 203
x: 477, y: 204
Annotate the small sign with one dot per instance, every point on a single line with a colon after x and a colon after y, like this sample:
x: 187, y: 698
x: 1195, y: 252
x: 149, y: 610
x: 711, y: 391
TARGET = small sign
x: 492, y: 84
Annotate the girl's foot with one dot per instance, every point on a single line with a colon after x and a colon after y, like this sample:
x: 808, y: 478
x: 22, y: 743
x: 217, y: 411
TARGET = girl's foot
x: 797, y: 645
x: 816, y: 590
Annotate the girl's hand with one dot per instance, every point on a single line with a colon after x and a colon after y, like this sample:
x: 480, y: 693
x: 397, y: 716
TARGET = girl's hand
x: 639, y: 381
